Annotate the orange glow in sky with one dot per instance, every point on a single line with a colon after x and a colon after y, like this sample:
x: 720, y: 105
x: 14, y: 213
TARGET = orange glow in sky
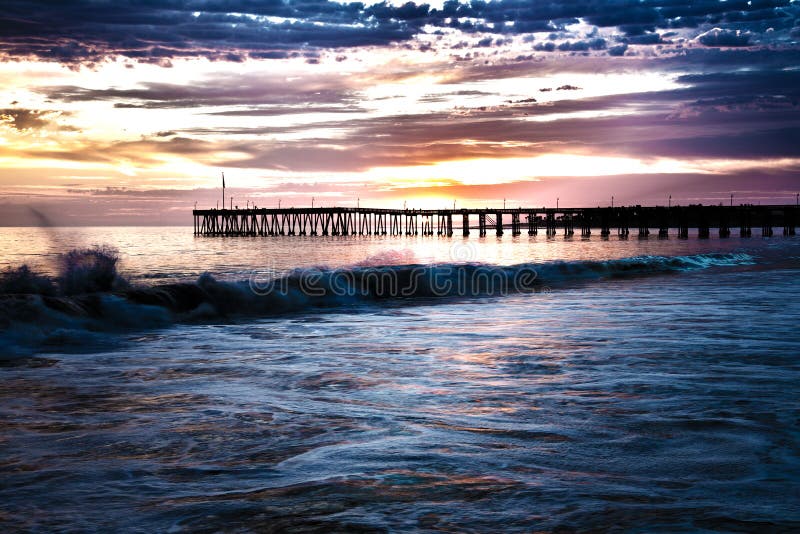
x: 572, y: 110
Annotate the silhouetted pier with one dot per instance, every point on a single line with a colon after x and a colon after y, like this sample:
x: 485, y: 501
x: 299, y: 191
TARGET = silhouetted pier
x: 620, y: 220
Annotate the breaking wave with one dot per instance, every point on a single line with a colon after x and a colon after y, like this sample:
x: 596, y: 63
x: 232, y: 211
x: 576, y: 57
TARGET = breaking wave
x: 89, y: 299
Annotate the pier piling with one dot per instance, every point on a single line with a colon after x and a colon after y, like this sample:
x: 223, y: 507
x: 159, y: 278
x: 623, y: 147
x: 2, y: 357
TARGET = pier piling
x: 533, y: 223
x: 551, y: 223
x: 766, y: 223
x: 789, y: 221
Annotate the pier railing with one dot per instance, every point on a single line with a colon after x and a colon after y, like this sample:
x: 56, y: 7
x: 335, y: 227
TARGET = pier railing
x: 334, y: 221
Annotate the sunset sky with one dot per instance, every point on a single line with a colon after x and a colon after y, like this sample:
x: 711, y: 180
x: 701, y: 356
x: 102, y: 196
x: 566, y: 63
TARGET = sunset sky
x: 127, y: 112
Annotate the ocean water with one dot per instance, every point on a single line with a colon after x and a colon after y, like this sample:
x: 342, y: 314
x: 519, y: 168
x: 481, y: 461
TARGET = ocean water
x: 367, y: 384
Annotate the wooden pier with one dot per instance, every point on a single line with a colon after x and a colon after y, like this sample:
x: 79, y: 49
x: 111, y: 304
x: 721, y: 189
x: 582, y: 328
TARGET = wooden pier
x: 335, y: 221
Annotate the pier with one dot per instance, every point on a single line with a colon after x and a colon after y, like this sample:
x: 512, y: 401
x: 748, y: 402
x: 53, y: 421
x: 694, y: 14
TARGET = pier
x: 622, y: 221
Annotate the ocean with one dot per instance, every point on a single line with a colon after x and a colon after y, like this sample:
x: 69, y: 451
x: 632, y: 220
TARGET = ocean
x: 371, y: 384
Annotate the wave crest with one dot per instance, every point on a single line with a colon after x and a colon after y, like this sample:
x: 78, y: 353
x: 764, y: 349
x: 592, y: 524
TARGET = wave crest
x: 89, y: 297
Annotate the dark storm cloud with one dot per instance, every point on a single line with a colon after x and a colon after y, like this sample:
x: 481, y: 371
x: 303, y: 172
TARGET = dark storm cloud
x: 749, y: 83
x: 618, y: 50
x: 597, y: 43
x: 729, y: 59
x: 718, y: 37
x: 32, y: 119
x: 25, y: 119
x: 82, y: 31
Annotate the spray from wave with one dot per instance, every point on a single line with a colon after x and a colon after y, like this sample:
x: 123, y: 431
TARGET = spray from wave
x: 89, y: 298
x: 81, y: 271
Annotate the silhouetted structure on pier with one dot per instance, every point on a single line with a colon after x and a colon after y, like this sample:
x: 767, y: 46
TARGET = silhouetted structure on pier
x: 369, y: 221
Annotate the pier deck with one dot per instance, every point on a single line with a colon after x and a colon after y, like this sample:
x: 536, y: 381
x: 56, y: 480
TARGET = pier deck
x: 343, y: 221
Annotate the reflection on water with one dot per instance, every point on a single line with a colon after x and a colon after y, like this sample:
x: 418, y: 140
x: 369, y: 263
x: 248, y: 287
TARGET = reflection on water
x: 164, y: 254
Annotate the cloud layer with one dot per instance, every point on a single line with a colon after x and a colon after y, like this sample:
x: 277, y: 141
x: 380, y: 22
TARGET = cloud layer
x: 86, y: 32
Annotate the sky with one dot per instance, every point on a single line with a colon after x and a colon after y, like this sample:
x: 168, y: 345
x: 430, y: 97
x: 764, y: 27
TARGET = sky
x: 128, y: 112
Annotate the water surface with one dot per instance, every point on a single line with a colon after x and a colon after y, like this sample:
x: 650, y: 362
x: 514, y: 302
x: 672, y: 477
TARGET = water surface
x: 663, y: 401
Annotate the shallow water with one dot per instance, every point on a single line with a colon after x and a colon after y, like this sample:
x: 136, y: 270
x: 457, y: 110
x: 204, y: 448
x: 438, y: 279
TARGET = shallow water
x: 665, y: 402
